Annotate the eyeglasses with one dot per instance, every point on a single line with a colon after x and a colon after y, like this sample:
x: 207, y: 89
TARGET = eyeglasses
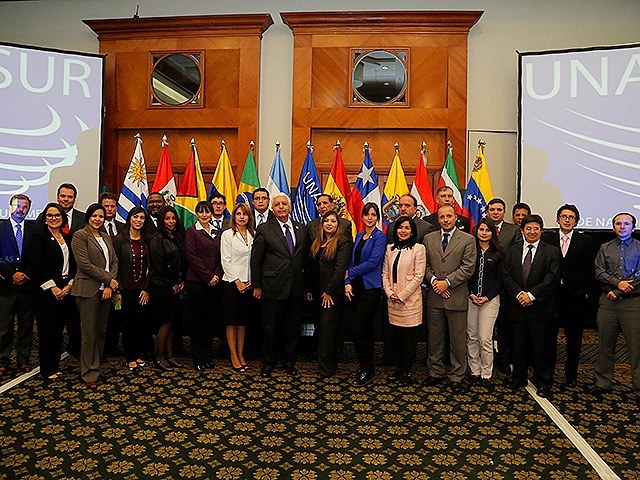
x: 53, y: 215
x: 567, y: 217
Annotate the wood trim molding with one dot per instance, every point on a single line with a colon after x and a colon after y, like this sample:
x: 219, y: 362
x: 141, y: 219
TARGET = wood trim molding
x: 186, y: 26
x: 409, y: 21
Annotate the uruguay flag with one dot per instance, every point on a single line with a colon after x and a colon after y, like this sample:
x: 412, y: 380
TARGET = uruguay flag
x: 365, y: 190
x: 304, y: 203
x: 277, y: 182
x: 135, y: 188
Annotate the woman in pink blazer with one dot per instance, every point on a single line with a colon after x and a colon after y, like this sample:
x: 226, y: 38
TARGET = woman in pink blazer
x: 402, y: 273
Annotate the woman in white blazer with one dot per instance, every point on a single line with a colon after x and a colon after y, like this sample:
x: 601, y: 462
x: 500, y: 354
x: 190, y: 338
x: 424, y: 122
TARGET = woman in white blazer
x: 235, y: 252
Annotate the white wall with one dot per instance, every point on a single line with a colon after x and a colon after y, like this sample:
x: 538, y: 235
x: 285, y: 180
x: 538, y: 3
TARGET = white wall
x: 505, y: 27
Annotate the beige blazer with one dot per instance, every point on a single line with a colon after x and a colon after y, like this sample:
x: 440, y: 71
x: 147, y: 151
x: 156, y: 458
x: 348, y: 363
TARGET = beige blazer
x: 411, y: 268
x: 456, y: 264
x: 91, y: 274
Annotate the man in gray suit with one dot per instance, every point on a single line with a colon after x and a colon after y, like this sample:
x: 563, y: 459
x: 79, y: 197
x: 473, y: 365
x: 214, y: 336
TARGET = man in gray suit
x: 408, y: 206
x: 506, y: 231
x: 451, y: 260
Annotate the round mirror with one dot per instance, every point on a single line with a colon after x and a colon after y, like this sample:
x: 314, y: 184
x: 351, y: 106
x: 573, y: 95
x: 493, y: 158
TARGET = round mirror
x: 176, y: 79
x: 379, y: 77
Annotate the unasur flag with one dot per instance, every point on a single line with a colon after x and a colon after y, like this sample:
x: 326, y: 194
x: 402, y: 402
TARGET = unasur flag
x: 449, y: 178
x: 479, y: 190
x: 395, y: 187
x: 249, y: 180
x: 309, y: 189
x: 365, y: 190
x: 191, y: 189
x: 338, y: 187
x: 164, y: 181
x: 421, y: 188
x: 278, y: 182
x: 135, y: 188
x: 224, y: 181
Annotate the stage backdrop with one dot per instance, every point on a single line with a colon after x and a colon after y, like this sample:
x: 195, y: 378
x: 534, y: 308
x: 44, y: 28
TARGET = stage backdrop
x: 50, y: 124
x: 580, y: 132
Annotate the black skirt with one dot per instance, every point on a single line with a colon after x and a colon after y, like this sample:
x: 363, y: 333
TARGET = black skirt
x: 237, y: 306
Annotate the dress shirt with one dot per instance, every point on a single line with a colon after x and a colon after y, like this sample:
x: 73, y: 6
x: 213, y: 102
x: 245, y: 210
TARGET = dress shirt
x: 113, y: 226
x: 618, y: 260
x: 235, y: 256
x: 14, y: 226
x: 69, y: 217
x: 261, y: 217
x: 450, y: 233
x: 525, y: 250
x: 64, y: 248
x: 105, y: 250
x: 284, y: 231
x: 499, y: 226
x: 562, y: 235
x: 217, y: 222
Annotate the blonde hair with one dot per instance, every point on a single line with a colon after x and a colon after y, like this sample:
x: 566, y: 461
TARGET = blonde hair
x: 247, y: 211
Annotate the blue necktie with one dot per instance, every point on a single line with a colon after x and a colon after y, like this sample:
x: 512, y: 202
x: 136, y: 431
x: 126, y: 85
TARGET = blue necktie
x: 445, y: 241
x: 288, y: 237
x: 19, y: 237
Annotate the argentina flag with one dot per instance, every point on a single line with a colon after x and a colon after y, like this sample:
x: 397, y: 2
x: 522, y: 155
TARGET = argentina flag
x: 135, y: 188
x: 304, y: 203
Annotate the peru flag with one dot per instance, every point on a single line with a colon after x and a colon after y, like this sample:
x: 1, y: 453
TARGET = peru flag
x: 421, y: 188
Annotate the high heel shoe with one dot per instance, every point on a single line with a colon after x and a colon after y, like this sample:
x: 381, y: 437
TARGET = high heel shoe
x: 239, y: 369
x: 132, y: 366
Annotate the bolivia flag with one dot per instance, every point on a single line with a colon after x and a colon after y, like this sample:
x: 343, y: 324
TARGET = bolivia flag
x: 338, y: 187
x: 164, y: 182
x: 395, y: 187
x: 224, y: 181
x: 191, y: 189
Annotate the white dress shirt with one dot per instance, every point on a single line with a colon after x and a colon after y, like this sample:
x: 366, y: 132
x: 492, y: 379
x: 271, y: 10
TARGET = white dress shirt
x: 235, y: 256
x: 284, y: 231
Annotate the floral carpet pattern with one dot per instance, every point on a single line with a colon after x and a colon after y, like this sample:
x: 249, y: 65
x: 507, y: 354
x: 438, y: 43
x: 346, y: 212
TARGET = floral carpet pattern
x: 225, y: 425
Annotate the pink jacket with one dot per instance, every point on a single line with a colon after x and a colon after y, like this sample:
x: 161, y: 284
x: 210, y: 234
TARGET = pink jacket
x: 411, y: 268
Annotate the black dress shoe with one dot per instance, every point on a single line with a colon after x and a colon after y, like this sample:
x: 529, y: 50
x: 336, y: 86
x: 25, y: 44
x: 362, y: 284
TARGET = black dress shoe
x: 571, y: 383
x: 395, y: 376
x: 364, y: 378
x: 266, y: 372
x: 291, y: 370
x: 516, y: 384
x: 456, y: 387
x: 544, y: 392
x: 200, y: 368
x: 355, y: 373
x: 405, y: 380
x: 486, y: 383
x: 596, y: 390
x: 432, y: 381
x: 473, y: 379
x: 209, y: 365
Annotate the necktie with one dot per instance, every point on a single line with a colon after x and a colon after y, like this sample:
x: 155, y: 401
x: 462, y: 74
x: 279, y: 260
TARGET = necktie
x: 111, y: 233
x: 19, y: 237
x: 445, y: 241
x: 260, y: 218
x: 497, y: 231
x: 288, y: 237
x: 526, y: 265
x: 565, y: 245
x: 217, y: 224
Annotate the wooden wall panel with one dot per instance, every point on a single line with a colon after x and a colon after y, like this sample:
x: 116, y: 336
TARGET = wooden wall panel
x: 436, y: 110
x: 231, y: 89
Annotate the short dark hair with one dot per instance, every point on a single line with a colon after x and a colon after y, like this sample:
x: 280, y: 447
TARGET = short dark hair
x: 497, y: 200
x: 218, y: 195
x: 442, y: 189
x: 92, y: 209
x: 414, y: 199
x: 633, y: 218
x: 368, y: 206
x: 411, y: 241
x: 107, y: 196
x: 493, y: 244
x: 535, y: 218
x: 204, y: 206
x: 324, y: 195
x: 261, y: 189
x: 155, y: 193
x: 570, y: 207
x: 19, y: 196
x: 69, y: 186
x: 65, y: 220
x: 521, y: 206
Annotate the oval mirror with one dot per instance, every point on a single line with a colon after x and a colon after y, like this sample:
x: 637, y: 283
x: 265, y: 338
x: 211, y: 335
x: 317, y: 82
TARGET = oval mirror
x: 379, y: 77
x: 176, y: 79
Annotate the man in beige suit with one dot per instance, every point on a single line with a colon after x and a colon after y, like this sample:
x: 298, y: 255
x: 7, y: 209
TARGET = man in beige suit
x: 451, y: 260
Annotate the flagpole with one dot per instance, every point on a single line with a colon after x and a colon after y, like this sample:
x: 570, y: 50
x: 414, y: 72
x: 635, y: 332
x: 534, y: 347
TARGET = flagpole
x: 309, y: 146
x: 252, y: 145
x: 337, y: 146
x: 277, y: 146
x: 365, y: 147
x: 165, y: 141
x: 396, y: 146
x: 138, y: 137
x: 222, y: 145
x: 450, y: 145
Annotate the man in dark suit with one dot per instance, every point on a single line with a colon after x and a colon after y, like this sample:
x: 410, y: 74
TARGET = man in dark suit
x: 155, y: 202
x: 444, y: 196
x: 451, y: 261
x: 218, y: 220
x: 278, y: 259
x: 260, y: 206
x: 531, y: 279
x: 577, y: 273
x: 111, y: 226
x: 507, y: 234
x: 16, y: 295
x: 324, y: 204
x: 408, y: 207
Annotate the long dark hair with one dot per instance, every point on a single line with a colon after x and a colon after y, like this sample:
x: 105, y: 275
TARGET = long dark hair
x: 331, y: 243
x: 126, y: 232
x: 179, y: 231
x: 409, y: 242
x: 42, y: 227
x: 247, y: 211
x: 494, y: 248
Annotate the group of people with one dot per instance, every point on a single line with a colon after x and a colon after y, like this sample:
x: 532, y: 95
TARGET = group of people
x: 510, y: 284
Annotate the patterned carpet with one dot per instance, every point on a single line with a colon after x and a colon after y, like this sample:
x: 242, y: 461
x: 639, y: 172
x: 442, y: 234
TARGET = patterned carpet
x: 223, y: 425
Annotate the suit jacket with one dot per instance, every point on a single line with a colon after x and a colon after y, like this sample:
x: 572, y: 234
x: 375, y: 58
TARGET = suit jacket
x: 543, y: 281
x: 577, y: 267
x: 456, y: 264
x: 509, y: 234
x: 327, y: 276
x: 47, y: 260
x: 411, y: 268
x: 423, y: 227
x: 279, y: 273
x: 168, y: 261
x: 370, y: 266
x: 89, y: 257
x: 10, y: 259
x: 462, y: 223
x: 119, y: 227
x: 77, y: 221
x: 225, y: 223
x: 122, y: 247
x: 203, y: 255
x: 255, y: 218
x: 314, y: 225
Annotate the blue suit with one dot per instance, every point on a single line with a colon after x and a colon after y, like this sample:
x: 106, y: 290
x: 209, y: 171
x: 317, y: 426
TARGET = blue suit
x: 370, y: 266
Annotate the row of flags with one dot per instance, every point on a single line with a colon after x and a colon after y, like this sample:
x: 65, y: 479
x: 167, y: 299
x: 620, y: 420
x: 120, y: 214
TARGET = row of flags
x: 349, y: 202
